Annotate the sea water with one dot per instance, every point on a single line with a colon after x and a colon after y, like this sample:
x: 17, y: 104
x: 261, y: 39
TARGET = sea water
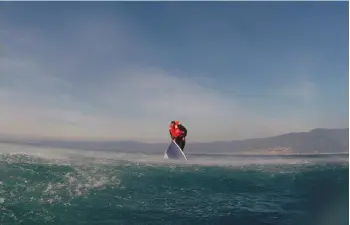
x: 58, y: 186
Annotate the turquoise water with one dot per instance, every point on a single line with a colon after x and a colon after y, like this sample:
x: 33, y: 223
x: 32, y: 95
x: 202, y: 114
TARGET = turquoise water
x: 53, y: 188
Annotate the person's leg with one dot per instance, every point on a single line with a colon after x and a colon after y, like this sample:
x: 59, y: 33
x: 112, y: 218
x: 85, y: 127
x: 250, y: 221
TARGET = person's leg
x: 181, y: 143
x: 178, y: 141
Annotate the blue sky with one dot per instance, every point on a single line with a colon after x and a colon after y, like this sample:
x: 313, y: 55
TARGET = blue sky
x: 123, y: 70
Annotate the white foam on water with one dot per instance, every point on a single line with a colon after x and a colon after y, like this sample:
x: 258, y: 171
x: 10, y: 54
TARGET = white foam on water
x: 83, y: 175
x: 64, y: 156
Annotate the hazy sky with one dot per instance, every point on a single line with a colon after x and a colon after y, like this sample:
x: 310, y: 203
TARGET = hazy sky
x: 123, y: 70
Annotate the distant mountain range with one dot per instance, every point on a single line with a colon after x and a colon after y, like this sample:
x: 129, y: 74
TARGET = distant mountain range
x: 315, y: 141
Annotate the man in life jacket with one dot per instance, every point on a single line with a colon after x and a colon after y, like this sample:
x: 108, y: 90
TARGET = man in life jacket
x: 178, y: 133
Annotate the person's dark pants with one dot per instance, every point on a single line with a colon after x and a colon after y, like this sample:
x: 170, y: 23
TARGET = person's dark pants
x: 180, y: 141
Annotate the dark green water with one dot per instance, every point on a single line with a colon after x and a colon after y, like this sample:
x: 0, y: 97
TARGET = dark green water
x: 43, y: 191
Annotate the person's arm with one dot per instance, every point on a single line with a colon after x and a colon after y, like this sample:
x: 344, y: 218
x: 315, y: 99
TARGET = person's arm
x: 183, y: 129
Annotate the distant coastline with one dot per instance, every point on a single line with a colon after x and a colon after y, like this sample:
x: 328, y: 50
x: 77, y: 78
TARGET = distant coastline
x: 267, y: 154
x: 316, y: 141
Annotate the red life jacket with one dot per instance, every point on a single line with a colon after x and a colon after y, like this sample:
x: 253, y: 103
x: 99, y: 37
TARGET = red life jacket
x: 175, y: 131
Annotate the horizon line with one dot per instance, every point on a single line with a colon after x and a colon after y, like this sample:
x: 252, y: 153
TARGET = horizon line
x: 16, y: 138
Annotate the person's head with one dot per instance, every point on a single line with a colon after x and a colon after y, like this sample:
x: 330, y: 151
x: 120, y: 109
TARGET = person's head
x: 174, y: 123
